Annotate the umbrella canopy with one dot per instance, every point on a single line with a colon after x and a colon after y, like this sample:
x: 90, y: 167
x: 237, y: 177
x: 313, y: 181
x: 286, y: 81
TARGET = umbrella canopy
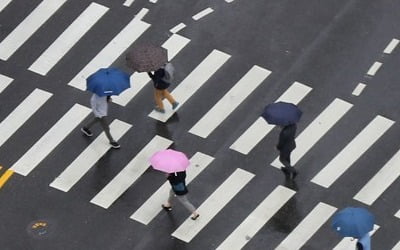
x: 169, y: 161
x: 281, y: 113
x: 145, y: 58
x: 353, y: 222
x: 108, y: 81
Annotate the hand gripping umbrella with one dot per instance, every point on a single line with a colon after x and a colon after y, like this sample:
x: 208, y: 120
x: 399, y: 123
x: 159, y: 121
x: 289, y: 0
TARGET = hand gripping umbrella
x: 281, y: 113
x: 108, y: 81
x: 145, y: 58
x: 353, y: 222
x: 169, y: 161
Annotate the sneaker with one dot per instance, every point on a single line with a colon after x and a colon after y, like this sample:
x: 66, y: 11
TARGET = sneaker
x: 166, y: 208
x: 159, y: 110
x: 114, y: 144
x: 86, y: 131
x: 175, y: 105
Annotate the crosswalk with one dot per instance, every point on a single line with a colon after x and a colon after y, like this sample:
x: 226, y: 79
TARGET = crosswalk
x: 225, y: 192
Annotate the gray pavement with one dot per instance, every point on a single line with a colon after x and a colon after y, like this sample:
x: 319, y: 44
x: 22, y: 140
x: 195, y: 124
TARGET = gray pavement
x: 326, y: 45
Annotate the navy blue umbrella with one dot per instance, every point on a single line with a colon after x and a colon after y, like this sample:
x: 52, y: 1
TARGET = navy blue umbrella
x: 281, y: 113
x: 353, y: 222
x: 108, y: 81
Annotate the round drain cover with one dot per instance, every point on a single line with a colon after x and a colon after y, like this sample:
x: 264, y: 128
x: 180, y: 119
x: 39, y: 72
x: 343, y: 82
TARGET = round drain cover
x: 40, y: 229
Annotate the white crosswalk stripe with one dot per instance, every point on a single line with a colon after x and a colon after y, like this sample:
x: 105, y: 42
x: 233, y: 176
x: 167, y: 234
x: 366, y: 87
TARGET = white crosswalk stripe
x: 4, y: 82
x: 28, y: 26
x: 3, y: 4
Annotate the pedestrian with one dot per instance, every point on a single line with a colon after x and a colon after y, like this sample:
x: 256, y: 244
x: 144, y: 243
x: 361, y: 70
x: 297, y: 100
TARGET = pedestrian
x: 179, y: 190
x: 364, y: 243
x: 161, y: 90
x: 285, y: 146
x: 99, y: 106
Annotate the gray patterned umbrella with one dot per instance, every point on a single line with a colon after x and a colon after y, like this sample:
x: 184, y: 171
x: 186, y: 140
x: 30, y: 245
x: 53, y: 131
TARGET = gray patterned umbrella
x: 145, y: 58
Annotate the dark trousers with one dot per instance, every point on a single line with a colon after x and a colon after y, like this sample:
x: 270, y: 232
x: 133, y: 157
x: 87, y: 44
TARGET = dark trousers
x: 104, y: 125
x: 284, y: 158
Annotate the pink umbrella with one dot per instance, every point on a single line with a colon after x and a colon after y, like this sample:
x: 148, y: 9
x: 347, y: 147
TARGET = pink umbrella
x: 169, y: 161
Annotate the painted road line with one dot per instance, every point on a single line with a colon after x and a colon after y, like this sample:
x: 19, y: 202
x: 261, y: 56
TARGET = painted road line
x: 317, y: 129
x: 355, y: 149
x: 229, y: 1
x: 397, y: 214
x: 231, y: 100
x: 4, y: 82
x: 214, y: 203
x: 51, y: 139
x: 132, y: 31
x: 380, y: 182
x: 82, y: 164
x: 193, y: 82
x: 397, y: 246
x: 76, y: 30
x: 141, y: 13
x: 5, y: 177
x: 348, y: 243
x: 150, y: 209
x: 307, y: 227
x: 260, y: 128
x: 359, y: 88
x: 257, y: 219
x: 174, y: 45
x: 22, y: 113
x: 177, y: 28
x: 374, y: 68
x: 3, y: 4
x: 28, y: 26
x: 202, y: 13
x: 128, y: 3
x: 153, y: 1
x: 391, y: 46
x: 130, y: 173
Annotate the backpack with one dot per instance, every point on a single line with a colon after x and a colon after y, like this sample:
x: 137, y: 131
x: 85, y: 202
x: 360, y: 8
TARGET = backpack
x: 168, y: 72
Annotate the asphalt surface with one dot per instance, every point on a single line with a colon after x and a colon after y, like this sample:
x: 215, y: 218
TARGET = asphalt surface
x: 327, y: 45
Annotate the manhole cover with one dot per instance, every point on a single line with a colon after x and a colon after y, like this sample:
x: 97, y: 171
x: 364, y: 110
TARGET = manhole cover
x: 40, y: 229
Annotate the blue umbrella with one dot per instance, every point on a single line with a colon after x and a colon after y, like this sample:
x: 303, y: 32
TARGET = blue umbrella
x: 281, y: 113
x: 353, y: 222
x: 108, y: 81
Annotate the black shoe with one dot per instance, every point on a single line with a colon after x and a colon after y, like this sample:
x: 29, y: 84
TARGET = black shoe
x: 195, y: 217
x: 86, y: 131
x: 166, y: 208
x: 114, y: 144
x: 294, y: 174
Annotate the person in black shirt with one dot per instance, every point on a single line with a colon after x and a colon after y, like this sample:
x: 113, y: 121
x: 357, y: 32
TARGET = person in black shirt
x: 285, y: 146
x: 179, y: 190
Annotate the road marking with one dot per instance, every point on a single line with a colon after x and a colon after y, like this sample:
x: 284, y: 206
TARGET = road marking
x: 397, y: 246
x: 141, y: 13
x: 82, y: 164
x: 193, y: 82
x: 51, y: 139
x: 215, y: 202
x: 177, y: 28
x: 359, y: 88
x: 380, y: 182
x: 22, y: 113
x: 5, y: 177
x: 75, y: 31
x: 130, y: 173
x: 355, y: 149
x: 3, y: 4
x: 4, y: 82
x: 28, y: 26
x: 174, y: 45
x: 307, y: 227
x: 397, y: 214
x: 374, y: 68
x: 128, y: 3
x: 348, y: 243
x: 231, y: 100
x: 391, y: 46
x: 152, y: 207
x: 153, y: 1
x: 202, y: 13
x: 257, y: 219
x: 132, y: 31
x: 317, y: 129
x: 260, y: 128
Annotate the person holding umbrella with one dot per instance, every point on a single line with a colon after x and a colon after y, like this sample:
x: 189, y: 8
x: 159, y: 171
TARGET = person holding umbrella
x: 285, y: 115
x: 174, y: 164
x: 149, y: 58
x: 104, y: 83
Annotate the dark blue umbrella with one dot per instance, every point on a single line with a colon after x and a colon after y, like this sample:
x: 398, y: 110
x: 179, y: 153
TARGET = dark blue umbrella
x: 353, y: 222
x: 281, y: 113
x: 108, y: 81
